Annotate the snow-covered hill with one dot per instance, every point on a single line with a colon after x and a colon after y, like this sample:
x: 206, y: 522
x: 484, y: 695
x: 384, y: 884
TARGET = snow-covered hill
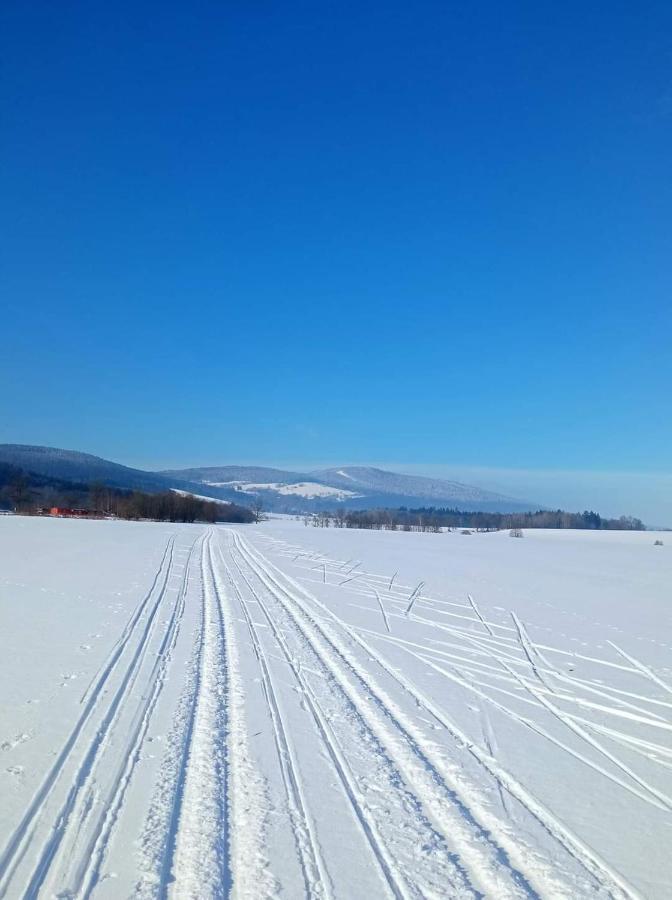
x: 229, y: 474
x: 308, y: 490
x: 350, y: 486
x: 282, y: 490
x: 55, y: 462
x: 369, y: 480
x: 85, y: 468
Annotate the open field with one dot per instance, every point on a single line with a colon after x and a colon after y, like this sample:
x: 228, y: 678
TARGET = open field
x: 280, y: 710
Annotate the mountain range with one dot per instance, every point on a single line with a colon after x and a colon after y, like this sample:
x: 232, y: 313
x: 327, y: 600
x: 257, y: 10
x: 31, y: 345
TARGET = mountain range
x: 281, y: 490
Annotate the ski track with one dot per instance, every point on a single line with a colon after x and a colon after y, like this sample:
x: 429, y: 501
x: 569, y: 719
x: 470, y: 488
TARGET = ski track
x: 316, y: 881
x: 158, y: 838
x: 200, y: 865
x: 604, y: 874
x: 461, y: 678
x: 207, y: 818
x: 95, y: 703
x: 248, y: 792
x: 88, y: 871
x: 391, y: 876
x: 483, y: 861
x: 74, y: 852
x: 427, y: 829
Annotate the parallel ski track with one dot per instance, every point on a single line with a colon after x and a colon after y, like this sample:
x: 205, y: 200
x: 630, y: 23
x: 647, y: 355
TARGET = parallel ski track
x: 391, y: 877
x: 162, y: 823
x: 316, y: 880
x: 72, y: 818
x: 189, y: 845
x: 93, y: 854
x: 586, y: 856
x: 481, y: 859
x: 199, y: 865
x: 541, y: 666
x: 400, y: 597
x: 460, y: 677
x: 481, y: 647
x: 94, y: 702
x: 170, y: 836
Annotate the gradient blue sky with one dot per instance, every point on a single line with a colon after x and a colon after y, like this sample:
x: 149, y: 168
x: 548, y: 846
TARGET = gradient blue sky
x: 428, y: 234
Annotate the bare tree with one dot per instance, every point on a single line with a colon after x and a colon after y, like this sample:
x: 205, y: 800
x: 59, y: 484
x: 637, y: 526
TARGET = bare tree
x: 258, y: 511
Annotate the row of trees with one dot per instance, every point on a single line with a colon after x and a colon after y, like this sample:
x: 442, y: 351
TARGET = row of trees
x: 168, y: 506
x: 432, y: 519
x: 28, y: 492
x: 172, y: 507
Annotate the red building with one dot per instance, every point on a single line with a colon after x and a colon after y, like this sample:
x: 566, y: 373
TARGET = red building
x: 73, y: 513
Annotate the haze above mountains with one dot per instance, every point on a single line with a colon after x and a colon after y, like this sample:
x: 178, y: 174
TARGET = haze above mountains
x: 281, y: 490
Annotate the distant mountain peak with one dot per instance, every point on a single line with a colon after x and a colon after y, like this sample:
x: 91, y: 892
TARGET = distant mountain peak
x: 353, y: 487
x: 419, y: 486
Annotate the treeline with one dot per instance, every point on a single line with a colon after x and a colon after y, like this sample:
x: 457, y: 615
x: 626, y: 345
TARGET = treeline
x: 28, y: 492
x: 433, y: 519
x: 167, y: 506
x: 171, y: 507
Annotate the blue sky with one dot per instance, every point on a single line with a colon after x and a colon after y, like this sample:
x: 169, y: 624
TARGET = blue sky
x: 432, y: 234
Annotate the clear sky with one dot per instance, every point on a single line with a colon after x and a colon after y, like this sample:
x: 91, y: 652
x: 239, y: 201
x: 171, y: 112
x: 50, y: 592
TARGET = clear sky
x: 435, y: 234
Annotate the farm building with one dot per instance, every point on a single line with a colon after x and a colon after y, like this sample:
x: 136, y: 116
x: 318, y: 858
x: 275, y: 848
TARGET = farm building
x: 74, y: 513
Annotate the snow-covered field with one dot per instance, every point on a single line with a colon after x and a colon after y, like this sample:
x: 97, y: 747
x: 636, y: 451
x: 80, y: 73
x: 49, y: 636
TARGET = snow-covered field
x: 308, y: 489
x: 280, y: 710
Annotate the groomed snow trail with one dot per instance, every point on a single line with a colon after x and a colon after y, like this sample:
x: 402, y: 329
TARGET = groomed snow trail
x: 248, y: 737
x: 346, y: 681
x: 200, y: 862
x: 64, y: 830
x: 74, y: 833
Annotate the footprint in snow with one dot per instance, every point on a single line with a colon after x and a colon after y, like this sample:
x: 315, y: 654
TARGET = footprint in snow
x: 16, y: 741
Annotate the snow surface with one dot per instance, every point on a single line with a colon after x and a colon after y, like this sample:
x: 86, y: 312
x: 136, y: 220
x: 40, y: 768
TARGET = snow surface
x: 308, y: 489
x: 280, y: 710
x: 200, y: 496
